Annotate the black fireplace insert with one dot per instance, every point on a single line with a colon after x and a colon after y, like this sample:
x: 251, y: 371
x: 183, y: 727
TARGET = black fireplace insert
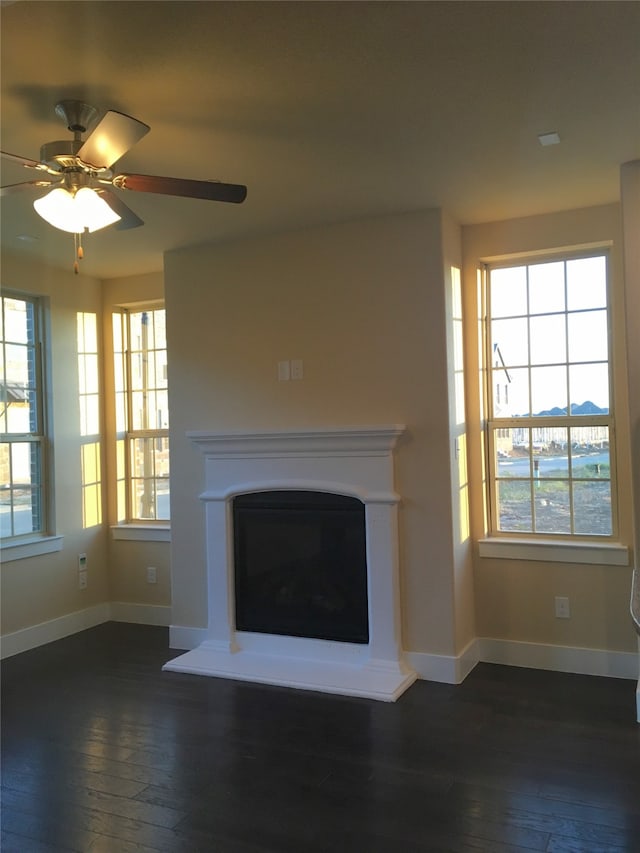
x: 300, y: 565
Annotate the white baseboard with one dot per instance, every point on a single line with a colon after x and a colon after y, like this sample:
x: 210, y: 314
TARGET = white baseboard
x: 55, y: 629
x: 467, y: 659
x: 185, y: 638
x: 559, y: 658
x: 141, y: 614
x: 444, y: 668
x: 454, y: 669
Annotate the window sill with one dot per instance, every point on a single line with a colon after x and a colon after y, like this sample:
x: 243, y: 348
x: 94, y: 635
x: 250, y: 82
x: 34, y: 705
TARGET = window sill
x: 551, y: 551
x: 142, y: 532
x: 31, y: 548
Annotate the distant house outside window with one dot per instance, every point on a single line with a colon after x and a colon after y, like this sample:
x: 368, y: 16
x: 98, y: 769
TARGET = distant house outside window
x: 24, y: 501
x: 142, y: 415
x: 550, y: 426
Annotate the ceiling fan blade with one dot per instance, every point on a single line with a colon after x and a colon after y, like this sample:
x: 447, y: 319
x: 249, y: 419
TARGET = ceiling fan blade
x: 128, y: 219
x: 23, y: 161
x: 10, y: 189
x: 209, y: 190
x: 112, y: 137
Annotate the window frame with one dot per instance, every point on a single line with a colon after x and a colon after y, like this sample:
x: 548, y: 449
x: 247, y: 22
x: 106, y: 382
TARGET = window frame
x: 27, y: 544
x: 497, y: 541
x: 91, y: 443
x: 128, y: 436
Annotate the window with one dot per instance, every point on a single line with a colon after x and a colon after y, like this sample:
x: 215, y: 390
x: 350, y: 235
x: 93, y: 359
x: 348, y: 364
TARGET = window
x: 550, y: 428
x: 89, y: 399
x: 142, y: 415
x: 23, y: 500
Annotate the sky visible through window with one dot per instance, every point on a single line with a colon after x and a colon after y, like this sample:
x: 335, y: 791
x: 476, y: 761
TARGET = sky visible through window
x: 549, y: 337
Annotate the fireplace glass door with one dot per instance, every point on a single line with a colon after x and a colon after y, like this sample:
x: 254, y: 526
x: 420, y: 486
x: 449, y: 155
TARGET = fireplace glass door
x: 300, y: 565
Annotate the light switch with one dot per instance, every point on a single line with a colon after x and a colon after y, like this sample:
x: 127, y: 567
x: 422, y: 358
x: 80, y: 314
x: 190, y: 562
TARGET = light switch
x: 284, y: 371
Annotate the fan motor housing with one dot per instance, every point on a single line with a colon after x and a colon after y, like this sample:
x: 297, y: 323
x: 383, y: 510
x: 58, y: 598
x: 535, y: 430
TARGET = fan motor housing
x: 60, y: 154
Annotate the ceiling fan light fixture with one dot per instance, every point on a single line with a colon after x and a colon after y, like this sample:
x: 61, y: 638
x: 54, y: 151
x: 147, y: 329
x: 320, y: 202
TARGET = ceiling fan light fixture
x: 79, y: 205
x: 75, y: 212
x: 94, y: 211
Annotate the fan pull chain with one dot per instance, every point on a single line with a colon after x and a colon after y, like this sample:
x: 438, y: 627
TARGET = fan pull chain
x: 78, y: 252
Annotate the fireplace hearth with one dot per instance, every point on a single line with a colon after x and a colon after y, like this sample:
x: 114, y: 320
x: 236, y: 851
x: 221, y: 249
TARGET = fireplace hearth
x: 313, y: 632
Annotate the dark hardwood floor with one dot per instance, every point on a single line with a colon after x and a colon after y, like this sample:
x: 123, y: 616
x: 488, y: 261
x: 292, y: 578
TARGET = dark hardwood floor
x: 102, y: 752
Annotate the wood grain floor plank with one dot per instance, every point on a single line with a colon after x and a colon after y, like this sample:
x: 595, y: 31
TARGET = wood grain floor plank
x: 82, y: 779
x: 10, y: 843
x: 618, y: 818
x: 103, y: 752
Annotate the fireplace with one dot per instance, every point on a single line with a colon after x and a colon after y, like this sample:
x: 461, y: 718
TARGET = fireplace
x: 300, y: 565
x: 338, y: 638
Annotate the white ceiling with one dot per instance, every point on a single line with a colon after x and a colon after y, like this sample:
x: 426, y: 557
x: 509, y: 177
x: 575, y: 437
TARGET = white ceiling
x: 327, y: 111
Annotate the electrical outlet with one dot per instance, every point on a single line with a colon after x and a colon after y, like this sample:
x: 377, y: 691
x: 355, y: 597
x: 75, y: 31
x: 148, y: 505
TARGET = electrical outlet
x: 563, y: 610
x: 152, y: 576
x: 82, y: 580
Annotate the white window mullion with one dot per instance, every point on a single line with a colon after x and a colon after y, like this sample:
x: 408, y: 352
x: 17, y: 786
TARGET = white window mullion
x: 146, y: 440
x: 27, y: 505
x: 560, y: 482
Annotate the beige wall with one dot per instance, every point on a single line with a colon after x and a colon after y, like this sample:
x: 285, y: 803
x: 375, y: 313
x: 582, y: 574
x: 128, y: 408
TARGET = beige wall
x: 369, y: 306
x: 630, y: 195
x: 128, y: 562
x: 514, y: 599
x: 462, y: 550
x: 363, y: 305
x: 39, y: 589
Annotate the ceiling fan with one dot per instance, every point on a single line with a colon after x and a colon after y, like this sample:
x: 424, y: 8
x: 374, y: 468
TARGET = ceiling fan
x: 80, y: 174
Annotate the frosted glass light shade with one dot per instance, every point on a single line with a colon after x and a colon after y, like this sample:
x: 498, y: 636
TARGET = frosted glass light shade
x: 75, y: 213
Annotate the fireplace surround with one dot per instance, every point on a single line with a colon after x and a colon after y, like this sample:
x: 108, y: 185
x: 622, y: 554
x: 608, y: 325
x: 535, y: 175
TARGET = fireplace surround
x: 352, y: 462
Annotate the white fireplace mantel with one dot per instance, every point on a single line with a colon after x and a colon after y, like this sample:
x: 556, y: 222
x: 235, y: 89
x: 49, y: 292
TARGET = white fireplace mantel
x: 354, y: 461
x: 344, y: 441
